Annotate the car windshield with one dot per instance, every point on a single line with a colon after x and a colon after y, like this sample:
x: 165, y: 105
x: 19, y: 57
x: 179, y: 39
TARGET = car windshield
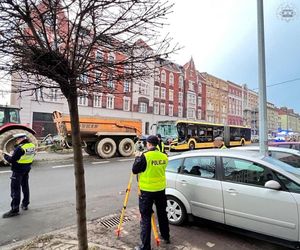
x: 284, y: 166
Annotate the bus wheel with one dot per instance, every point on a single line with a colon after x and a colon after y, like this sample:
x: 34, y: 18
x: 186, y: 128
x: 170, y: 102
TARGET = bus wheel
x: 191, y: 146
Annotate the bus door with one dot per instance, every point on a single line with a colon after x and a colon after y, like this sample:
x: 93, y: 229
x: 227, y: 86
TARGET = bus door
x: 227, y: 136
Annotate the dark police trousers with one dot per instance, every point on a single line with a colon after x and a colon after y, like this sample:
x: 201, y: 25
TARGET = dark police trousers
x: 18, y: 181
x: 146, y: 201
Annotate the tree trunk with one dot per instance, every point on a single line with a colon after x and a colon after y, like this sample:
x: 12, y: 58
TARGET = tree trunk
x: 79, y: 174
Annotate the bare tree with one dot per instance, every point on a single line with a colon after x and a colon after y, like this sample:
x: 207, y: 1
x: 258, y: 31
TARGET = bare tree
x: 67, y: 44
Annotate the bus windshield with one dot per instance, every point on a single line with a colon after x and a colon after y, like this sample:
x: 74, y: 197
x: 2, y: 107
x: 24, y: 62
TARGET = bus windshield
x: 167, y: 129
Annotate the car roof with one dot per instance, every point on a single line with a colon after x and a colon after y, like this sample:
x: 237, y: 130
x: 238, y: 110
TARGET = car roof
x: 218, y: 152
x: 274, y: 149
x: 284, y: 142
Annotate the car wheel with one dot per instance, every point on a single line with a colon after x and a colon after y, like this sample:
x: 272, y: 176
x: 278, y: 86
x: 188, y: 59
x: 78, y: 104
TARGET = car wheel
x: 176, y: 211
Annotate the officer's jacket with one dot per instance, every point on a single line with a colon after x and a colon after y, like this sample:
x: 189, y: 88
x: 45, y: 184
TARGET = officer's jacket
x: 22, y: 157
x: 151, y: 167
x: 161, y: 147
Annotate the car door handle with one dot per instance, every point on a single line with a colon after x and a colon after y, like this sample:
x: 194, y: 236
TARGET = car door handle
x: 232, y: 191
x: 183, y: 182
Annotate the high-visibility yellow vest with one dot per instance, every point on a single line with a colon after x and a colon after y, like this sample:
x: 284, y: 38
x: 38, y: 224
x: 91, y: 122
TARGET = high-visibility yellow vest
x: 28, y: 156
x: 223, y: 147
x: 154, y: 178
x: 162, y: 149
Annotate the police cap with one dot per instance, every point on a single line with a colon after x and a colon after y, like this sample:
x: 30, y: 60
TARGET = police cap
x: 153, y: 140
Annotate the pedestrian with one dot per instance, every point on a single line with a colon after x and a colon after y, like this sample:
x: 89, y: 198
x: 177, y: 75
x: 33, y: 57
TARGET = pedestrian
x: 160, y: 146
x: 219, y: 143
x: 151, y: 166
x: 20, y: 161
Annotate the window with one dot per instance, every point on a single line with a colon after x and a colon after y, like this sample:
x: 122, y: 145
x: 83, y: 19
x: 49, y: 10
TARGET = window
x: 199, y: 114
x: 99, y: 56
x: 84, y: 78
x: 170, y: 110
x: 163, y: 76
x: 147, y: 128
x: 191, y: 85
x: 2, y: 117
x: 288, y: 184
x: 156, y: 91
x: 143, y: 89
x: 293, y: 160
x: 143, y: 107
x: 82, y: 99
x: 171, y: 94
x: 39, y: 95
x: 180, y: 113
x: 162, y: 109
x: 246, y: 172
x: 97, y: 77
x: 199, y: 101
x: 180, y: 97
x: 126, y: 103
x: 171, y: 79
x: 53, y: 95
x: 110, y: 82
x: 191, y: 99
x: 156, y: 108
x: 200, y: 166
x: 156, y: 75
x: 126, y: 86
x: 163, y: 93
x: 97, y: 100
x: 111, y: 58
x: 191, y: 113
x: 180, y: 82
x: 174, y: 166
x: 110, y: 101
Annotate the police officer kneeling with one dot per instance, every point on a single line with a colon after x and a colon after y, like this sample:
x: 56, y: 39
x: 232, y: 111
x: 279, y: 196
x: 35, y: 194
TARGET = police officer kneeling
x: 151, y: 167
x: 20, y: 161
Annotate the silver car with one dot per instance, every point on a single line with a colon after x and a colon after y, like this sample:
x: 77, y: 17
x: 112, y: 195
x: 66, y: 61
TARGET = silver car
x: 287, y: 155
x: 242, y: 189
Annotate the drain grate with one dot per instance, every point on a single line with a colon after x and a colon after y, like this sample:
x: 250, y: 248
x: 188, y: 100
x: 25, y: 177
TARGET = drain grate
x: 113, y: 221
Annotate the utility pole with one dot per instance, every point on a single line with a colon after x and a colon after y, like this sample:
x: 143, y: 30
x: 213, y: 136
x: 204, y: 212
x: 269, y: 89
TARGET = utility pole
x: 263, y: 142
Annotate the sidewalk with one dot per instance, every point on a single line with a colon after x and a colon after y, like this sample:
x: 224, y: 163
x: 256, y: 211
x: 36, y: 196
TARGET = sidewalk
x: 101, y: 235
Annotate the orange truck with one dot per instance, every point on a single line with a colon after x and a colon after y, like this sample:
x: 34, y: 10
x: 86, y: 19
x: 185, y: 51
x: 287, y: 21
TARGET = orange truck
x: 104, y: 136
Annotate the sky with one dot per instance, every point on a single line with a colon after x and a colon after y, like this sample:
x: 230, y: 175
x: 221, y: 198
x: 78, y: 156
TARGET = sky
x: 221, y: 36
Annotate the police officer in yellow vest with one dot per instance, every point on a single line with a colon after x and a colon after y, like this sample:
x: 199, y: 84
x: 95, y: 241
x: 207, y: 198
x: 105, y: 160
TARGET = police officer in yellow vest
x: 20, y: 161
x: 151, y: 166
x: 160, y: 146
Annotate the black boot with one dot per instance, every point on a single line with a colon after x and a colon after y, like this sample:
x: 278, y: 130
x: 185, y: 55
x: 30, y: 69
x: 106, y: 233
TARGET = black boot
x: 10, y: 213
x: 24, y: 207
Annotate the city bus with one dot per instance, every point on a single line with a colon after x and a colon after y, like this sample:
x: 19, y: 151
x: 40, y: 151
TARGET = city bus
x: 184, y: 135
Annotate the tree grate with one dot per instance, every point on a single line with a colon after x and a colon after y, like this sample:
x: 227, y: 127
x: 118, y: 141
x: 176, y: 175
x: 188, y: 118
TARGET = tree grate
x: 113, y: 221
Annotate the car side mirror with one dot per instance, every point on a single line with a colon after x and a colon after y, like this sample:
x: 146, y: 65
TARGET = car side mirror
x: 273, y: 185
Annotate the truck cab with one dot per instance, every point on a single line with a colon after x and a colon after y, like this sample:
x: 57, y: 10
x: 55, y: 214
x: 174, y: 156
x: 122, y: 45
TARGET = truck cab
x: 9, y: 114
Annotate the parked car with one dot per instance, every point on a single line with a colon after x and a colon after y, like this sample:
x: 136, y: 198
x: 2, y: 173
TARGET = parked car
x: 287, y: 144
x: 237, y: 188
x: 289, y: 156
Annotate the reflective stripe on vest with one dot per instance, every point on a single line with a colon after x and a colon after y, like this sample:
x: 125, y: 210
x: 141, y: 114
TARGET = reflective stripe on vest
x: 154, y: 177
x: 27, y: 158
x: 162, y: 149
x: 223, y: 147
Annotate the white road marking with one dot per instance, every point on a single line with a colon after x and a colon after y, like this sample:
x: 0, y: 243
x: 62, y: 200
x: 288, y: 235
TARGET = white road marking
x: 64, y: 166
x: 132, y: 159
x: 99, y: 162
x: 4, y: 172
